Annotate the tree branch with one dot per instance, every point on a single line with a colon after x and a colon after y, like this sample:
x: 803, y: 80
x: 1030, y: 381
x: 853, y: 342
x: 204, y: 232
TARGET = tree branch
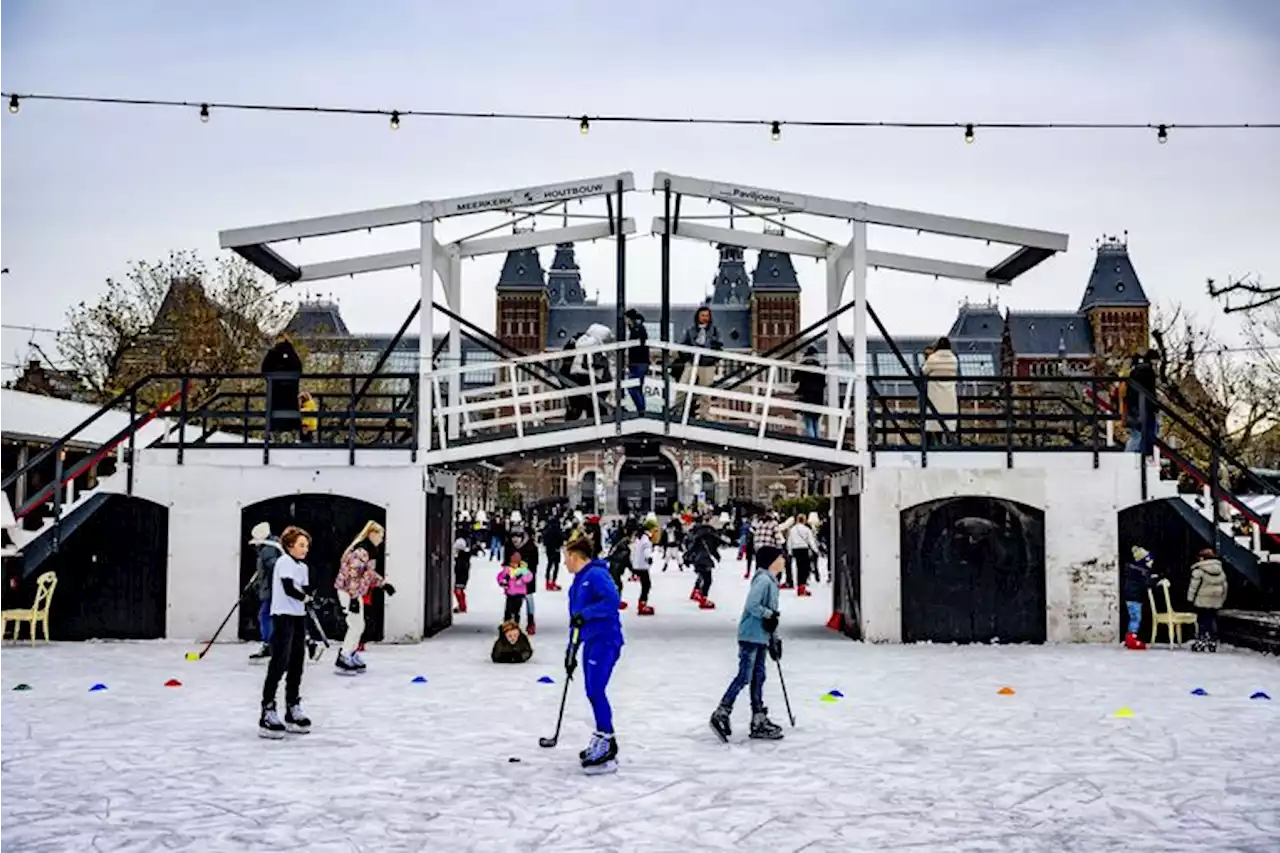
x: 1260, y: 295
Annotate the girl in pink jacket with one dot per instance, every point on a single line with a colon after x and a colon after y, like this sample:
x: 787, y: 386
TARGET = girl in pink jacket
x: 357, y: 576
x: 514, y: 579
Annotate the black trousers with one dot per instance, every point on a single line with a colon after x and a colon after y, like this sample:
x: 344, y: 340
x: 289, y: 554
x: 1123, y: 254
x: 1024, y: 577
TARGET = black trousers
x: 790, y: 580
x: 703, y: 582
x: 645, y: 583
x: 553, y: 564
x: 511, y: 613
x: 288, y: 654
x: 462, y: 572
x: 802, y: 558
x: 751, y: 558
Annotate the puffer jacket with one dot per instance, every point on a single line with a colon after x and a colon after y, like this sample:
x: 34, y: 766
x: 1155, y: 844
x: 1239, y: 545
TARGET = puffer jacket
x: 515, y: 581
x: 1208, y: 587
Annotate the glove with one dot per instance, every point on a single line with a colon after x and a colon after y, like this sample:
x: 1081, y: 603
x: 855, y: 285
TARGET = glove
x: 775, y: 648
x: 570, y: 660
x: 577, y: 621
x: 770, y: 623
x: 389, y: 589
x: 354, y: 605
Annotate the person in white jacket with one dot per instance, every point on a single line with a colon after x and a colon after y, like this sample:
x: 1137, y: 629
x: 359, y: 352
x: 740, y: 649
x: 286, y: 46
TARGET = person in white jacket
x: 803, y: 546
x: 643, y: 554
x: 586, y: 362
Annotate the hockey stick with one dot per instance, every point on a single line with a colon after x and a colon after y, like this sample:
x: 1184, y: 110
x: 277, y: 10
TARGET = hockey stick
x: 315, y: 620
x: 214, y: 638
x: 550, y: 742
x: 782, y: 681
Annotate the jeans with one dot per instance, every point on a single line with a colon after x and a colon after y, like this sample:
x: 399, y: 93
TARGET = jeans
x: 1143, y: 440
x: 264, y: 620
x: 637, y: 371
x: 811, y: 422
x: 597, y: 666
x: 751, y: 661
x: 495, y: 548
x: 288, y: 654
x: 1135, y: 615
x: 528, y: 608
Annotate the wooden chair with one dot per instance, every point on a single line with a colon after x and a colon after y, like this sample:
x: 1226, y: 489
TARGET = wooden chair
x: 38, y: 614
x: 1170, y: 618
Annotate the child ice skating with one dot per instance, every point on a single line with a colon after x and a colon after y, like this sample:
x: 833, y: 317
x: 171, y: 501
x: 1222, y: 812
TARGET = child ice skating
x: 593, y: 616
x: 756, y: 630
x: 512, y: 646
x: 1138, y: 578
x: 290, y: 594
x: 463, y: 548
x: 268, y: 548
x: 356, y: 578
x: 1207, y: 593
x: 643, y: 553
x: 523, y: 545
x: 514, y: 580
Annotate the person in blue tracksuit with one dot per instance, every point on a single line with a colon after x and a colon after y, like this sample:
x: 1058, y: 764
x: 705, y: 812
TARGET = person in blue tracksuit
x: 756, y: 633
x: 593, y: 614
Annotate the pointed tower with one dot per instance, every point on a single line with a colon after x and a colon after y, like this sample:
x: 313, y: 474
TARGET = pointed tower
x: 522, y: 301
x: 1115, y: 304
x: 775, y: 300
x: 730, y: 286
x: 564, y: 280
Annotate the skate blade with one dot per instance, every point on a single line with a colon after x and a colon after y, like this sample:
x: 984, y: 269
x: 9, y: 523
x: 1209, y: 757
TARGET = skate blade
x: 754, y: 736
x: 601, y: 769
x: 724, y: 738
x: 270, y: 735
x: 346, y: 673
x: 292, y: 729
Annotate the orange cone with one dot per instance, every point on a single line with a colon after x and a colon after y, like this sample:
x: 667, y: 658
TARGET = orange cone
x: 836, y: 622
x: 1005, y: 691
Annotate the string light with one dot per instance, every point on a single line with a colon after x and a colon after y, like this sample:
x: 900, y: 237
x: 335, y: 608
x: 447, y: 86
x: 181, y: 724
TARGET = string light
x: 204, y: 112
x: 584, y: 126
x: 775, y: 126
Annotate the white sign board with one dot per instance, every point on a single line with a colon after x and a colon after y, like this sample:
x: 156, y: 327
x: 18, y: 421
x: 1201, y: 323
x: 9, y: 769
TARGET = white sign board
x: 759, y: 197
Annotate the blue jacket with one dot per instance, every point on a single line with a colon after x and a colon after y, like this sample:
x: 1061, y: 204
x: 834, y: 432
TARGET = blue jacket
x: 762, y: 601
x: 595, y: 596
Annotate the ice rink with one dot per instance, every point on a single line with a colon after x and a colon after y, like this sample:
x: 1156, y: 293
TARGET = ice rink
x: 922, y: 753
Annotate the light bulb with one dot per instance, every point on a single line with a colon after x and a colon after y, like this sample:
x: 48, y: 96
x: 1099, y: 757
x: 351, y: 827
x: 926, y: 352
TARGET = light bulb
x: 968, y: 134
x: 775, y: 131
x: 395, y: 119
x: 204, y: 112
x: 1162, y: 134
x: 584, y: 126
x: 14, y: 106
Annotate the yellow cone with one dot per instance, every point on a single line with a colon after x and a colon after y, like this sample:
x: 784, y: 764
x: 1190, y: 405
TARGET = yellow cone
x: 192, y: 656
x: 828, y: 698
x: 1123, y: 712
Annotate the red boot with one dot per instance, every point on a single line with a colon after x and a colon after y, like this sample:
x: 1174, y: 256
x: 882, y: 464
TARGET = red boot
x: 1132, y: 643
x: 706, y: 604
x: 360, y: 647
x: 460, y: 596
x: 802, y: 590
x: 695, y: 595
x: 532, y: 628
x: 786, y: 586
x: 643, y: 609
x: 622, y: 605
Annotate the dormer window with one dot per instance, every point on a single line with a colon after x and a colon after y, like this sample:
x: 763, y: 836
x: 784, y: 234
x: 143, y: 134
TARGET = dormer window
x: 1119, y: 286
x: 519, y: 270
x: 774, y: 272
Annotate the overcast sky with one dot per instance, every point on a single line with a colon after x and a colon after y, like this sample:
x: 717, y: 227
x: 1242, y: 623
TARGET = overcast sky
x: 87, y: 189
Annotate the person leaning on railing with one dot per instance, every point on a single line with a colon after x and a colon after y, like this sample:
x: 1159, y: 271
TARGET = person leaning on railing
x: 703, y: 334
x: 942, y: 364
x: 283, y: 371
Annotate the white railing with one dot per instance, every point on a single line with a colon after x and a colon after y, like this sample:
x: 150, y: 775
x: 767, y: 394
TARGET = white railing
x: 519, y: 400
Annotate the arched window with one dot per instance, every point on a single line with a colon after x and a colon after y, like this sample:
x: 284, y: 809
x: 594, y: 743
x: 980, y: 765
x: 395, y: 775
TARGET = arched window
x: 707, y: 485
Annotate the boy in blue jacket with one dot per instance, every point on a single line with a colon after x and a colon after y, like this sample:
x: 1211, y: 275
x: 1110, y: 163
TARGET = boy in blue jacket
x: 593, y: 614
x: 755, y: 634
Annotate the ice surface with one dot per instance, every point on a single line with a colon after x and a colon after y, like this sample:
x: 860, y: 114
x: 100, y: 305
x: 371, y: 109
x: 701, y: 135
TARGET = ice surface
x: 920, y: 754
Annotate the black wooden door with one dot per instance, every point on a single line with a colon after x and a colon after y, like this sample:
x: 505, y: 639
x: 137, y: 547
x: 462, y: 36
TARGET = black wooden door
x: 438, y: 582
x: 973, y: 571
x: 846, y: 563
x: 333, y: 521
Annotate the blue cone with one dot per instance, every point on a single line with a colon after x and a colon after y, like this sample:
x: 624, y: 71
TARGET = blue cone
x: 1259, y: 695
x: 97, y: 687
x: 546, y: 679
x: 836, y: 693
x: 419, y: 679
x: 1199, y: 691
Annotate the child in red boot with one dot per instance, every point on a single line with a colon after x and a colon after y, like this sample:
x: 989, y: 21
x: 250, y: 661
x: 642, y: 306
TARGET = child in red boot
x: 1138, y: 578
x: 463, y: 547
x: 643, y: 551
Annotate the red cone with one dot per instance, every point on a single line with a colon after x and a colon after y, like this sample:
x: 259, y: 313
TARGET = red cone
x: 836, y: 622
x: 173, y: 682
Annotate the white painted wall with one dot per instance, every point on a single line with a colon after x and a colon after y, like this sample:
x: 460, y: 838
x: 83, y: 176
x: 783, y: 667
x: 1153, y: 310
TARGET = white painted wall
x: 206, y: 494
x: 1080, y: 505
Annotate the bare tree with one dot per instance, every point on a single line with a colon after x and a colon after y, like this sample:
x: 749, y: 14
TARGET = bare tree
x: 1257, y: 294
x: 170, y: 316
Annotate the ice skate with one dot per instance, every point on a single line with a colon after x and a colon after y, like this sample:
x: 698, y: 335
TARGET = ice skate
x: 706, y: 604
x: 460, y: 597
x: 803, y: 591
x: 269, y: 725
x: 622, y: 605
x: 583, y: 753
x: 643, y: 609
x: 695, y: 595
x: 1132, y: 642
x: 262, y: 655
x: 532, y: 628
x: 720, y: 723
x: 296, y: 720
x: 358, y: 661
x: 344, y: 666
x: 601, y: 756
x: 762, y: 728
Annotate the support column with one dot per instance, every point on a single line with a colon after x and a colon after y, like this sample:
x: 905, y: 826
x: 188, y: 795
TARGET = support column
x: 835, y: 290
x: 859, y: 245
x: 453, y: 298
x: 427, y: 271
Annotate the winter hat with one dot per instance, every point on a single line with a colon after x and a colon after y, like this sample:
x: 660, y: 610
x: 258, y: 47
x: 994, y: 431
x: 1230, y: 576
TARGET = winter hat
x: 259, y: 532
x: 650, y: 524
x: 766, y: 554
x: 1141, y: 555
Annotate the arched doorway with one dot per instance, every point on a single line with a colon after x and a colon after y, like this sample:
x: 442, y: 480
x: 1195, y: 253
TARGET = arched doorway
x: 707, y: 486
x: 973, y: 571
x: 333, y: 521
x: 647, y: 481
x: 587, y: 495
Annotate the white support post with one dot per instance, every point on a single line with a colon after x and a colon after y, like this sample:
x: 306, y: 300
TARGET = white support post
x: 859, y: 245
x: 835, y: 289
x: 427, y: 271
x: 453, y: 297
